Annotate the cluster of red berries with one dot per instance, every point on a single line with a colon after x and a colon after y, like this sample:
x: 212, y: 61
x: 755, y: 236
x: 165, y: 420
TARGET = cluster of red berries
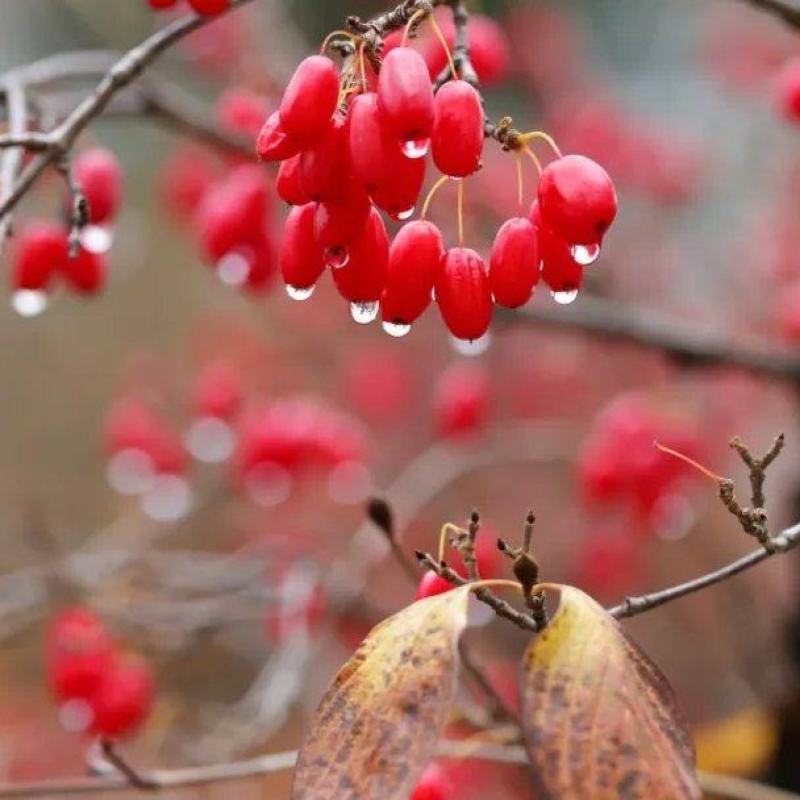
x: 269, y: 446
x: 42, y: 254
x: 100, y: 689
x: 351, y: 147
x: 204, y: 7
x: 619, y: 462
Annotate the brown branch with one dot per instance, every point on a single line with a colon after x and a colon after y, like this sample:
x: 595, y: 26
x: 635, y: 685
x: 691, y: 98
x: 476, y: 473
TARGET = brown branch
x: 61, y: 138
x: 78, y: 206
x: 787, y: 540
x: 17, y: 112
x: 684, y: 343
x: 787, y: 10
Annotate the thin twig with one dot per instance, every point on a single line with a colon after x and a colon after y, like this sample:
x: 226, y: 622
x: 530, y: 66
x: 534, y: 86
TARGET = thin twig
x: 17, y: 111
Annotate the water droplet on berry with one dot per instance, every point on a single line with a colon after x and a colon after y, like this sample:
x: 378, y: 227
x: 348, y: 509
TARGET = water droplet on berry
x: 75, y: 715
x: 364, y: 313
x: 336, y: 257
x: 403, y: 215
x: 169, y: 500
x: 433, y: 294
x: 97, y: 238
x: 566, y: 297
x: 396, y: 329
x: 210, y: 440
x: 416, y: 148
x: 472, y: 348
x: 585, y: 254
x: 233, y: 269
x: 268, y: 484
x: 29, y: 302
x: 130, y: 471
x: 299, y: 293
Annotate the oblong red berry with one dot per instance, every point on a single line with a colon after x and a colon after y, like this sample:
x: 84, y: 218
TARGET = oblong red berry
x: 559, y: 271
x: 41, y: 252
x: 324, y: 167
x: 86, y: 272
x: 337, y: 224
x: 98, y: 173
x: 457, y: 141
x: 415, y: 258
x: 124, y: 698
x: 209, y: 7
x: 393, y: 181
x: 463, y: 294
x: 405, y: 95
x: 300, y: 256
x: 577, y: 199
x: 514, y: 263
x: 288, y: 185
x: 310, y: 99
x: 363, y: 278
x: 273, y: 143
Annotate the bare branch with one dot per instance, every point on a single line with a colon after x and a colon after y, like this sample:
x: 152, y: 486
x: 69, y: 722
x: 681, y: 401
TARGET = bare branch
x: 16, y: 108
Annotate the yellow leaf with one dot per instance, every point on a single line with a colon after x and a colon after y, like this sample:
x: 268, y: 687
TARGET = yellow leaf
x: 379, y: 722
x: 599, y: 719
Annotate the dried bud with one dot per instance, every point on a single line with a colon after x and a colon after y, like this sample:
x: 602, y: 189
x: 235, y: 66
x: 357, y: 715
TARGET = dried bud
x: 381, y: 515
x: 526, y: 571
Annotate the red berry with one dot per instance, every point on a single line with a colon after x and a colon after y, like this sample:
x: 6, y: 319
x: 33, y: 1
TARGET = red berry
x: 514, y: 263
x: 98, y: 173
x: 457, y: 142
x: 431, y: 584
x: 184, y: 178
x: 415, y: 258
x: 79, y: 651
x: 273, y: 143
x: 560, y: 271
x: 463, y: 294
x: 41, y: 252
x: 209, y: 7
x: 301, y: 258
x: 363, y: 277
x: 86, y: 272
x: 405, y: 97
x: 337, y: 224
x: 242, y: 110
x: 158, y: 5
x: 259, y: 254
x: 310, y: 99
x: 577, y: 199
x: 124, y: 698
x: 433, y: 785
x: 392, y: 180
x: 218, y: 392
x: 324, y: 167
x: 787, y: 90
x: 288, y: 185
x: 461, y: 401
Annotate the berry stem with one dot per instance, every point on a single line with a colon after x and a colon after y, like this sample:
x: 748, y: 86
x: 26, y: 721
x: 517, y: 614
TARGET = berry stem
x: 520, y: 184
x: 489, y: 583
x: 691, y: 462
x: 429, y: 197
x: 417, y: 15
x: 533, y: 157
x: 545, y: 137
x: 440, y: 36
x: 332, y: 35
x: 447, y: 528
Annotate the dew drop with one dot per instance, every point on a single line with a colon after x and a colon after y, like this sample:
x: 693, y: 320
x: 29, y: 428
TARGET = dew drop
x: 233, y: 269
x: 404, y: 215
x: 336, y: 257
x: 585, y: 254
x: 416, y: 148
x: 75, y: 715
x: 364, y: 313
x: 130, y: 472
x: 475, y: 347
x: 169, y: 500
x: 96, y: 238
x: 396, y: 329
x: 566, y: 297
x: 433, y: 294
x: 299, y: 293
x: 29, y: 302
x: 210, y: 440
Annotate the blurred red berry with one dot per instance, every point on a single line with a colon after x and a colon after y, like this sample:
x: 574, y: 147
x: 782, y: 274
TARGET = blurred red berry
x: 433, y: 785
x: 98, y: 173
x: 431, y: 584
x: 123, y: 699
x: 461, y: 401
x: 86, y: 272
x: 41, y: 252
x: 787, y: 90
x: 242, y: 110
x: 218, y: 392
x: 209, y: 7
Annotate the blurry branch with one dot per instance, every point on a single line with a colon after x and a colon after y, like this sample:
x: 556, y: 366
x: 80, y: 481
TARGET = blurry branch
x: 684, y: 343
x: 718, y: 786
x: 62, y: 137
x: 17, y: 113
x: 787, y: 10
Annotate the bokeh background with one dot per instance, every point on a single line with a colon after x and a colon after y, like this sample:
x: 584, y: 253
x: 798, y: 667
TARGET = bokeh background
x: 246, y: 604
